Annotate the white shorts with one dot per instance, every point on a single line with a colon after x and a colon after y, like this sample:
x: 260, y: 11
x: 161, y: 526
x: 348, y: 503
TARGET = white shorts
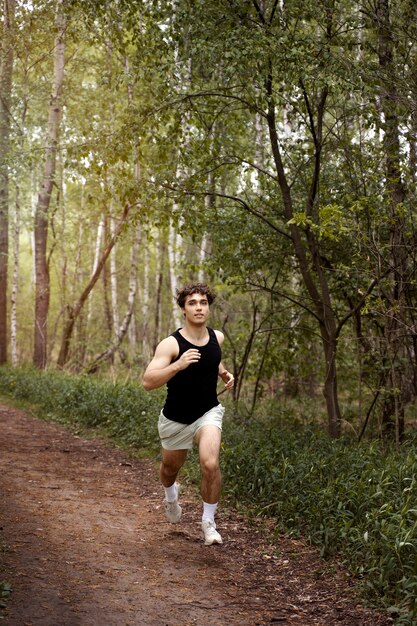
x: 177, y: 436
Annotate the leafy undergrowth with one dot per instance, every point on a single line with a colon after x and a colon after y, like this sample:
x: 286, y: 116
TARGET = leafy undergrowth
x: 355, y: 500
x: 124, y: 410
x: 5, y: 591
x: 5, y: 586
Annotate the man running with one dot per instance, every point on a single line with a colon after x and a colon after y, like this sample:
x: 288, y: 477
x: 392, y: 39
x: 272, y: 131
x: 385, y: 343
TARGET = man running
x: 189, y: 363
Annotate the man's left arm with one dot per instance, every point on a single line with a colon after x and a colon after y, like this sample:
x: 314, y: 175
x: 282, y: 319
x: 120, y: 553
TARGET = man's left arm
x: 227, y: 377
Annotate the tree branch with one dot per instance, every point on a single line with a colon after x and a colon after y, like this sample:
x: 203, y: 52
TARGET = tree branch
x: 273, y: 12
x: 259, y: 11
x: 287, y: 297
x: 244, y: 204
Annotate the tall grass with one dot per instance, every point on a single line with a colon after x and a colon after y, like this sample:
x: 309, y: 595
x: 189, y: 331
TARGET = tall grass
x: 357, y: 501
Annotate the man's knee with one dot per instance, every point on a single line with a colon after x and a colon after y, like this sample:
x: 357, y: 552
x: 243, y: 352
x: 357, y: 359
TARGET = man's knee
x: 172, y: 463
x: 210, y: 466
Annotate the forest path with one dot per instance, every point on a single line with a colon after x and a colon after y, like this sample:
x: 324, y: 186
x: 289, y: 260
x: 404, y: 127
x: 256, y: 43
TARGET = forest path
x: 88, y: 545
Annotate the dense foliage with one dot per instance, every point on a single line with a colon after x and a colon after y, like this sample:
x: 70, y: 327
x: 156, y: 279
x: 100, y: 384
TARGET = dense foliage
x: 268, y: 147
x: 354, y: 501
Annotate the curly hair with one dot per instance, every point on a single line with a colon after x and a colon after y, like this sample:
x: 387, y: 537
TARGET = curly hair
x: 188, y: 290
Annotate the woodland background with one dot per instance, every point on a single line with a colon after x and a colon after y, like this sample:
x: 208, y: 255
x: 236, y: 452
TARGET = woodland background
x: 267, y: 147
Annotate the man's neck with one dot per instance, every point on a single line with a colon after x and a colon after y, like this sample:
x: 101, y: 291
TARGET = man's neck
x: 195, y: 332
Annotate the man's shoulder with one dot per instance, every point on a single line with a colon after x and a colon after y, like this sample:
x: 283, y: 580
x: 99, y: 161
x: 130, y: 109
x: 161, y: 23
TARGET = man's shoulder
x: 219, y: 335
x: 169, y: 345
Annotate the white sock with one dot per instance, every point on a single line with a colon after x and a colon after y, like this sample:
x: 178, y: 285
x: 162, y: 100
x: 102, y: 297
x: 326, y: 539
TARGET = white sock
x: 171, y: 493
x: 209, y: 511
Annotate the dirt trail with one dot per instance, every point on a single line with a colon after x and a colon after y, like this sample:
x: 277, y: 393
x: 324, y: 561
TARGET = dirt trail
x: 88, y: 545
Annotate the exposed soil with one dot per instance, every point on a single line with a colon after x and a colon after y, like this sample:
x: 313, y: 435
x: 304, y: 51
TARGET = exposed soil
x: 88, y: 545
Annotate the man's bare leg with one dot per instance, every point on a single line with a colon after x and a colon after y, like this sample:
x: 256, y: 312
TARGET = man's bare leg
x: 172, y: 461
x: 208, y: 439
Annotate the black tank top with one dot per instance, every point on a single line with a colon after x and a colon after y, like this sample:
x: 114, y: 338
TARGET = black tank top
x: 192, y: 392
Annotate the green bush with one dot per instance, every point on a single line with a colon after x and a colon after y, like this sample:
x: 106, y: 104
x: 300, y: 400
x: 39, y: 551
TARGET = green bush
x: 358, y: 501
x: 124, y: 410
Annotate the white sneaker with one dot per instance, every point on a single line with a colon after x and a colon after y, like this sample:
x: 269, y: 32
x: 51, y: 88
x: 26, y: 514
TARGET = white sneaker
x: 210, y: 533
x: 173, y: 511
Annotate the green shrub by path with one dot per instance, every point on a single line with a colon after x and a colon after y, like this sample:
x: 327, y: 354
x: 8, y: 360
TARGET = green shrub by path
x: 124, y: 410
x: 354, y: 500
x: 359, y: 501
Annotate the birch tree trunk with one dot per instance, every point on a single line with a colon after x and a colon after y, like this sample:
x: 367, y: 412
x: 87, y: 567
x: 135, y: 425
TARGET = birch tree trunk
x: 204, y: 249
x: 6, y: 72
x: 16, y: 225
x: 145, y: 307
x: 15, y: 279
x: 97, y: 247
x: 113, y: 280
x: 108, y: 316
x: 58, y: 209
x: 74, y: 311
x: 79, y: 274
x: 210, y: 203
x: 123, y: 328
x: 42, y: 288
x: 63, y: 255
x: 174, y: 248
x: 33, y: 203
x: 133, y: 285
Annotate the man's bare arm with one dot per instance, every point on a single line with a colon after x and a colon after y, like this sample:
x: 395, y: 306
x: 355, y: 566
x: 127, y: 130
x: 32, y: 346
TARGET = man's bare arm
x: 161, y: 369
x: 226, y: 376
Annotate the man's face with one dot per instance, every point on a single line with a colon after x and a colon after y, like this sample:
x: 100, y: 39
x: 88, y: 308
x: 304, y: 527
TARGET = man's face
x: 196, y: 308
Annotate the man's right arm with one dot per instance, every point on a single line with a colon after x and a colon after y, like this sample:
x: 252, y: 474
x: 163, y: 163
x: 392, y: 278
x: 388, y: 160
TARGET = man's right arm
x: 161, y: 369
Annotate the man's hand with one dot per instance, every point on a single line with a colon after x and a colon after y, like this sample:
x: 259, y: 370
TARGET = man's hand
x: 163, y: 365
x: 228, y: 379
x: 188, y: 358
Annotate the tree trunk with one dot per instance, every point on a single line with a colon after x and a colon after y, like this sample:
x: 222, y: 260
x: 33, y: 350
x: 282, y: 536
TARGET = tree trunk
x: 159, y: 281
x: 122, y: 330
x: 44, y: 198
x: 97, y: 247
x: 33, y: 202
x: 15, y: 279
x: 108, y: 316
x: 209, y: 202
x: 210, y: 205
x: 16, y: 231
x: 74, y: 311
x: 113, y: 281
x: 307, y: 255
x: 6, y: 72
x: 260, y: 371
x: 330, y: 384
x: 174, y: 247
x: 393, y: 410
x: 77, y: 279
x: 240, y: 364
x: 145, y: 307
